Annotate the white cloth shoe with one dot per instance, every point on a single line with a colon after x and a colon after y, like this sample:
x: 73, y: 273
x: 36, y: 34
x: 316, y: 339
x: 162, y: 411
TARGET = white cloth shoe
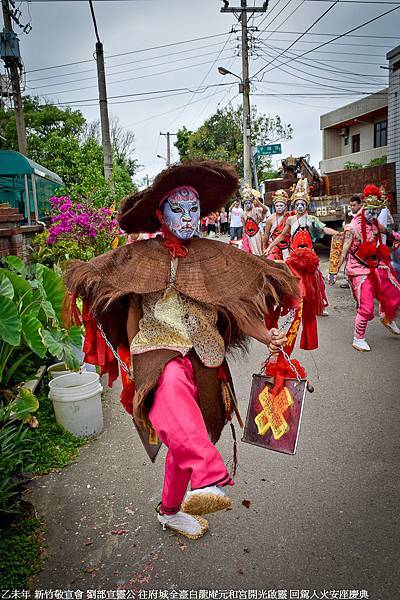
x: 187, y: 525
x: 361, y: 345
x: 391, y: 325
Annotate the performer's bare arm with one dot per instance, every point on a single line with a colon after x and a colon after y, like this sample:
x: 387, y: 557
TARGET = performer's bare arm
x: 273, y: 338
x: 262, y: 206
x: 348, y: 239
x: 135, y: 313
x: 330, y: 231
x: 281, y: 237
x: 267, y: 229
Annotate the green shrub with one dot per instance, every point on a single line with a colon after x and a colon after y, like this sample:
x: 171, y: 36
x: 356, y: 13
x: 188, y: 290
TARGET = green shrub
x: 376, y: 162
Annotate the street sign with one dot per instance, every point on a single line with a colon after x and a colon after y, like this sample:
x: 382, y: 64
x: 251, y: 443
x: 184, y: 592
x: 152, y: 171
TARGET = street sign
x: 270, y: 149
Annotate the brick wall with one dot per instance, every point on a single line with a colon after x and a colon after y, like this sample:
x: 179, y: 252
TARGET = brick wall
x: 349, y: 182
x: 14, y: 238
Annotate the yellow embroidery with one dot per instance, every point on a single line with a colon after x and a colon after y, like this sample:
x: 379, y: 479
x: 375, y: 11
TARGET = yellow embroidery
x: 173, y: 321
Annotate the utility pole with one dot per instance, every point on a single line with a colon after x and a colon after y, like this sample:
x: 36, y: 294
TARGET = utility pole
x: 13, y: 62
x: 104, y: 120
x: 168, y: 136
x: 241, y: 14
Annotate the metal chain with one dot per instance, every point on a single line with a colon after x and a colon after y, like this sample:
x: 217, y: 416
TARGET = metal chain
x: 116, y: 356
x: 286, y: 322
x: 292, y: 365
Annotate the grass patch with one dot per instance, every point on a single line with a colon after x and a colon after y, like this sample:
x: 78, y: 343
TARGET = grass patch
x: 19, y: 552
x: 53, y: 447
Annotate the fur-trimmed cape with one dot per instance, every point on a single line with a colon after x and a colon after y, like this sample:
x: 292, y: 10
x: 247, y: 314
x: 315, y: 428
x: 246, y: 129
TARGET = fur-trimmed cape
x: 242, y: 287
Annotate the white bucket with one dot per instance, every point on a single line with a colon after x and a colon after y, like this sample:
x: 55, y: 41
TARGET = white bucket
x: 77, y: 402
x: 58, y: 369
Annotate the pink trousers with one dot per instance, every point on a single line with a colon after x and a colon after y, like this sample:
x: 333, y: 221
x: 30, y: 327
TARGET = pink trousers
x: 364, y: 294
x: 177, y: 419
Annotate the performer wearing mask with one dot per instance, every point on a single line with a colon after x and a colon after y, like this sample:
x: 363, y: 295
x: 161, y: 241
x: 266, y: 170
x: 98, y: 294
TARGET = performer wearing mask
x: 254, y: 213
x: 369, y: 270
x: 175, y: 305
x: 275, y: 225
x: 304, y: 230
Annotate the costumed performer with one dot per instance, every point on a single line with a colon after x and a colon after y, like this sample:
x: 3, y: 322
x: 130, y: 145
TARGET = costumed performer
x: 253, y: 215
x: 275, y: 224
x: 174, y: 306
x: 369, y: 270
x: 304, y: 230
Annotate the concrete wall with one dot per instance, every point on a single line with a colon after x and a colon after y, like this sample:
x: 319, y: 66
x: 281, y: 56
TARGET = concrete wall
x: 355, y: 109
x: 363, y: 158
x: 394, y: 117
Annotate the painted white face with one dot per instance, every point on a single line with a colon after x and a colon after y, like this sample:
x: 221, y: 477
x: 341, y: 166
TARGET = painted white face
x: 280, y: 207
x: 300, y: 206
x: 181, y: 212
x: 371, y: 214
x: 248, y: 204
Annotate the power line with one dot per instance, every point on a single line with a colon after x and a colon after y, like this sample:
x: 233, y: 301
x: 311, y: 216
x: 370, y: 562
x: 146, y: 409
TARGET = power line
x: 339, y: 36
x: 303, y: 34
x: 206, y: 37
x: 131, y: 62
x: 379, y: 37
x: 143, y: 94
x: 325, y: 68
x: 89, y: 87
x: 146, y: 67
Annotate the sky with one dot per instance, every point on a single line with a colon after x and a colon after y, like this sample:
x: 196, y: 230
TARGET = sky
x: 179, y: 83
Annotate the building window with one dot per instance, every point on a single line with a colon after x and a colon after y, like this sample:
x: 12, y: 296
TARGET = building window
x: 380, y: 134
x: 346, y: 135
x: 355, y: 143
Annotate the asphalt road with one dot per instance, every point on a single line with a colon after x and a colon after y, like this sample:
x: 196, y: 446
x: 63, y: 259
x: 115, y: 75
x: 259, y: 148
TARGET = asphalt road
x: 325, y: 519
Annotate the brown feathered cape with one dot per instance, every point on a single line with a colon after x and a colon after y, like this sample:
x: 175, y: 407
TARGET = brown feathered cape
x: 241, y: 286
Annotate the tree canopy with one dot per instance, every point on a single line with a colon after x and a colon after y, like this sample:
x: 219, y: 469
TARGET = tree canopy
x: 221, y: 137
x: 61, y: 140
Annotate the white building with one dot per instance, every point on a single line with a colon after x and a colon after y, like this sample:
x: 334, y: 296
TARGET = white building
x: 355, y: 133
x: 366, y: 129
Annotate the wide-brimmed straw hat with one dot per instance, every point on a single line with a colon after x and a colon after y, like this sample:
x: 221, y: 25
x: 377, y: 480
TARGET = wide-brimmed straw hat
x: 215, y: 182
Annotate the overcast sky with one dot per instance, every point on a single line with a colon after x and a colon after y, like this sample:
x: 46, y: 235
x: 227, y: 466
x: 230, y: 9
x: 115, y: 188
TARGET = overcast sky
x: 62, y: 32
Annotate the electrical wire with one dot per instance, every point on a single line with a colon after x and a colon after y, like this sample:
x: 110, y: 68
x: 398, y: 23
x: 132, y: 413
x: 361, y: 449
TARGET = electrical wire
x: 89, y: 87
x: 76, y: 101
x: 303, y: 34
x: 329, y: 70
x: 146, y: 67
x: 338, y: 37
x: 206, y: 37
x: 131, y: 62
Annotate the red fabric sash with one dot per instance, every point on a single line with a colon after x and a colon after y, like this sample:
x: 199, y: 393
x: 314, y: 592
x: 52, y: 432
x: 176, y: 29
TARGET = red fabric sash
x: 174, y: 245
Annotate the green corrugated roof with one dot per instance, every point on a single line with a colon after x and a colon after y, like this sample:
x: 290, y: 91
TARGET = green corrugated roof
x: 14, y: 163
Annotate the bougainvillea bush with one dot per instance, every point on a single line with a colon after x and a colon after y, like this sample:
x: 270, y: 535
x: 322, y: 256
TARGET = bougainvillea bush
x: 77, y: 231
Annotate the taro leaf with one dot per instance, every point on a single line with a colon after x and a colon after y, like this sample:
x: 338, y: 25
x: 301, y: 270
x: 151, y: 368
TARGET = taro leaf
x: 30, y: 333
x: 53, y: 286
x: 49, y: 311
x: 53, y: 342
x: 75, y: 336
x: 21, y: 286
x: 70, y: 359
x: 10, y: 323
x: 25, y: 404
x: 15, y: 264
x: 6, y: 287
